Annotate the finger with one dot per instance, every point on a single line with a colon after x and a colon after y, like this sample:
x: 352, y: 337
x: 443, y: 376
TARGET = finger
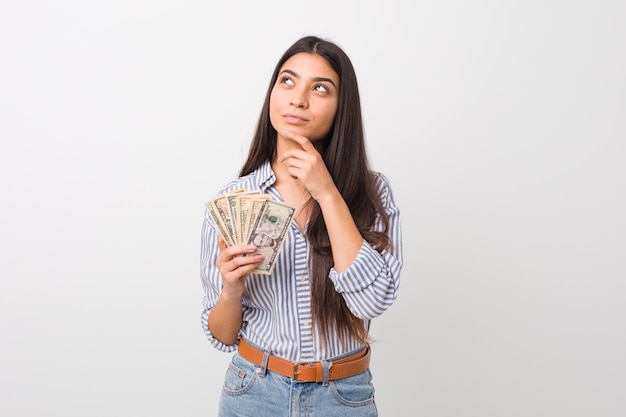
x: 292, y: 155
x: 303, y: 141
x: 239, y: 275
x: 234, y: 267
x: 239, y: 267
x: 227, y: 253
x: 239, y: 250
x: 292, y: 161
x: 246, y: 261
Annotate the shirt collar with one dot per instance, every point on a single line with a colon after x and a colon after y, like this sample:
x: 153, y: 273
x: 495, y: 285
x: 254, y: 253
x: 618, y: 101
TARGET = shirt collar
x: 266, y: 176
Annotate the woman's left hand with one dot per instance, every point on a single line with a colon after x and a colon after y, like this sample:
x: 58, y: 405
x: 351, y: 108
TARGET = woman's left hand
x: 308, y: 166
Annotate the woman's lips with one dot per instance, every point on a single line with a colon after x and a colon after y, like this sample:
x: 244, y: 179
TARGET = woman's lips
x: 294, y: 119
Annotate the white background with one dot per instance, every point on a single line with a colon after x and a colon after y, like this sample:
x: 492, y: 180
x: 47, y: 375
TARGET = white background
x: 500, y: 124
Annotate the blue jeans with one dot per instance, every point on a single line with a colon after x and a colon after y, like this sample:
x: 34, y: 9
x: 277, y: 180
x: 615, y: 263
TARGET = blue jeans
x: 250, y: 390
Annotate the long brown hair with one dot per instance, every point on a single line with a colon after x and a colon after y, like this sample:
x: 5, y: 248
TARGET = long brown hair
x: 346, y: 159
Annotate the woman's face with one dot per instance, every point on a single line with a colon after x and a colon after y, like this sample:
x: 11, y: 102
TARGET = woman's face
x: 305, y: 96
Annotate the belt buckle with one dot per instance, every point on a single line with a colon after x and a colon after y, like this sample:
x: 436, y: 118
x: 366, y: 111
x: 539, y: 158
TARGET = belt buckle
x: 295, y: 370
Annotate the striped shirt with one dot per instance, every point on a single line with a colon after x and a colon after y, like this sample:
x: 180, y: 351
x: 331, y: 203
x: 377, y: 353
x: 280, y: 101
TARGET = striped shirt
x: 277, y: 307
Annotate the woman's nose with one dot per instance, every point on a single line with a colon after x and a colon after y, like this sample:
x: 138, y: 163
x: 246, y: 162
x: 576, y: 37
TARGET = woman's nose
x: 298, y: 99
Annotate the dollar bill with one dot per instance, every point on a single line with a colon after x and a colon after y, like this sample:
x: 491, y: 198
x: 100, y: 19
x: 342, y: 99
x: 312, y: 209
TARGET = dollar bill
x: 232, y: 201
x: 255, y: 207
x: 218, y: 224
x: 220, y: 213
x: 268, y: 232
x: 242, y: 216
x: 247, y: 213
x: 223, y: 211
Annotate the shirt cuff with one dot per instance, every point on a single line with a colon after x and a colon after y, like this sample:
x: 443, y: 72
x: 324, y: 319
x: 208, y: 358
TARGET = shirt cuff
x: 216, y: 343
x: 361, y: 274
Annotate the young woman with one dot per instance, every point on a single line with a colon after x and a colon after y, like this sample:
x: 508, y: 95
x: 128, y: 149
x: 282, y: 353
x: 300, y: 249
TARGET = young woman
x: 301, y: 333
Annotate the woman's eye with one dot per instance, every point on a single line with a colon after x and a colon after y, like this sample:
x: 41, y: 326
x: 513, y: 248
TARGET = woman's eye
x: 322, y: 88
x: 287, y: 81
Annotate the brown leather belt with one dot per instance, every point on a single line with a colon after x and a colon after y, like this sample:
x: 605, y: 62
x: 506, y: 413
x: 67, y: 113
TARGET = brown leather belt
x: 308, y: 371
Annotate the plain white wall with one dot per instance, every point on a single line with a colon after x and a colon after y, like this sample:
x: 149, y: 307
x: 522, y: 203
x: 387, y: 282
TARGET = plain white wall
x: 500, y: 124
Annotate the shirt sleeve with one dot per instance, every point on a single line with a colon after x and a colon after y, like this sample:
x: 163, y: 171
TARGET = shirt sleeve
x: 211, y: 279
x: 370, y: 285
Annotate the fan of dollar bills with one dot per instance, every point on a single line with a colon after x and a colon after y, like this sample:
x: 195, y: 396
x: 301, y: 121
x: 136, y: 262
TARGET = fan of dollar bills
x: 250, y: 217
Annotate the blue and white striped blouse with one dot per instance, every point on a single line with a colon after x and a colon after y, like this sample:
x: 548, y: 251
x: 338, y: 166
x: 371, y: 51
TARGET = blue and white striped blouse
x: 277, y: 307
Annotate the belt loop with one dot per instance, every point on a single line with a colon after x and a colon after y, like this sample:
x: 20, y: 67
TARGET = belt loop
x: 326, y: 365
x: 263, y: 369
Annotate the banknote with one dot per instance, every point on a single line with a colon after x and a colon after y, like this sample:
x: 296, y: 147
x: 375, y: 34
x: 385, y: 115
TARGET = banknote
x: 246, y: 211
x: 268, y: 232
x: 232, y: 200
x: 211, y: 209
x: 220, y: 212
x: 242, y: 216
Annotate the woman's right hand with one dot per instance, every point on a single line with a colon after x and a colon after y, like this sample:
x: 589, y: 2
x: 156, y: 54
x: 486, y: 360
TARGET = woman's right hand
x: 235, y: 263
x: 225, y: 318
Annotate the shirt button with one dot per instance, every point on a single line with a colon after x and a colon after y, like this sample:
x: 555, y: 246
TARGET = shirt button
x: 302, y: 277
x: 307, y: 322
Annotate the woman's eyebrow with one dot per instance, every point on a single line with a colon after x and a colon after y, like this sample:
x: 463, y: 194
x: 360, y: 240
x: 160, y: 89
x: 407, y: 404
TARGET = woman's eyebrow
x: 288, y: 71
x: 316, y: 79
x: 322, y: 79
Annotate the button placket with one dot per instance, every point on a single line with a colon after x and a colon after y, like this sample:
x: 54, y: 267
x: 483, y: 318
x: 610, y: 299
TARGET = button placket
x: 303, y: 289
